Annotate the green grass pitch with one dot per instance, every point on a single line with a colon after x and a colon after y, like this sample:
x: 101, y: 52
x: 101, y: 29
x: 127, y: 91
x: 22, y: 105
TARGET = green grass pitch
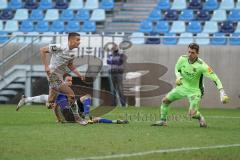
x: 33, y: 134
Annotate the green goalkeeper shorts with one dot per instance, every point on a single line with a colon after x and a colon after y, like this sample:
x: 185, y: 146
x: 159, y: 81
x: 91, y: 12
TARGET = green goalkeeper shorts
x: 194, y: 96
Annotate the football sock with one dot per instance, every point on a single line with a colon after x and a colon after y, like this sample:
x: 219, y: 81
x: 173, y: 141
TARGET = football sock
x: 197, y: 115
x: 103, y: 120
x: 164, y: 111
x: 37, y: 99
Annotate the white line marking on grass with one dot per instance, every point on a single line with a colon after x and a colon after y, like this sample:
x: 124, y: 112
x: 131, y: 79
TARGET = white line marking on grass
x: 155, y: 151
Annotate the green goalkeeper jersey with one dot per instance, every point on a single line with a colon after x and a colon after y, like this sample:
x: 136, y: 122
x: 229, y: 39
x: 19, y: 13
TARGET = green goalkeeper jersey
x: 192, y: 74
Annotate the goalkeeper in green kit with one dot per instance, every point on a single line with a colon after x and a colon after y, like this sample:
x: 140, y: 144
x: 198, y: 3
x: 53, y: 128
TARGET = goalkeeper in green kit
x: 189, y: 72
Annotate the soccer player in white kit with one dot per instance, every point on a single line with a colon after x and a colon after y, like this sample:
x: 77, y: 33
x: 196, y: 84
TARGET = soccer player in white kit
x: 61, y: 63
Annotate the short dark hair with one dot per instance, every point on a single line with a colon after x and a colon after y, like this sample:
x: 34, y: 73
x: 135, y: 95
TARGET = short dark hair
x: 73, y: 34
x: 194, y: 46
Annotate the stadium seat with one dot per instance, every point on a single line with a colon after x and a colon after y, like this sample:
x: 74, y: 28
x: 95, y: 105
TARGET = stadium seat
x: 98, y: 15
x: 219, y: 15
x: 237, y: 30
x: 202, y: 39
x: 195, y: 4
x: 1, y: 25
x: 146, y: 26
x: 178, y: 27
x: 169, y: 39
x: 203, y: 15
x: 155, y: 15
x: 179, y: 4
x: 11, y: 26
x: 107, y: 4
x: 3, y: 4
x: 234, y: 15
x: 237, y: 5
x: 234, y: 39
x: 91, y: 4
x: 42, y: 26
x: 137, y: 38
x: 163, y: 4
x: 21, y: 14
x: 75, y: 4
x: 31, y: 4
x: 226, y: 4
x: 185, y: 38
x: 218, y: 39
x: 6, y: 14
x: 3, y: 37
x: 57, y: 26
x: 89, y: 26
x: 51, y: 15
x: 162, y: 27
x: 227, y: 27
x: 45, y: 4
x: 73, y: 26
x: 194, y: 27
x: 210, y: 5
x: 36, y: 15
x: 171, y: 15
x: 26, y: 26
x: 154, y: 39
x: 61, y: 4
x: 67, y: 14
x: 15, y: 4
x: 82, y: 15
x: 186, y: 15
x: 210, y: 27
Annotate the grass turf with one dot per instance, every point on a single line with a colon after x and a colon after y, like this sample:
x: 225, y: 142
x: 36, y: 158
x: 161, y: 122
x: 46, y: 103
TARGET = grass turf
x: 33, y: 134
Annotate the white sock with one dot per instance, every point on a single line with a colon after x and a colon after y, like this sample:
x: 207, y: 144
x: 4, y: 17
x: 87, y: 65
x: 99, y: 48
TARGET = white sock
x: 37, y: 99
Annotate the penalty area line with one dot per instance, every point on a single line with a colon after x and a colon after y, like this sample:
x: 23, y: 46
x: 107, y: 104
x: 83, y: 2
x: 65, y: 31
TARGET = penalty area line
x: 155, y: 151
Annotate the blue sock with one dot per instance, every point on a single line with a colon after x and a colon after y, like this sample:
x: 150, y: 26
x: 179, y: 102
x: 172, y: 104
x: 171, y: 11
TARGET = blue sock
x: 103, y: 120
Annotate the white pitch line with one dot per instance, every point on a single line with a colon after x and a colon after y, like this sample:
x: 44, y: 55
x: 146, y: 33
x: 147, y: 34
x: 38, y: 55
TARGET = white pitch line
x: 155, y: 151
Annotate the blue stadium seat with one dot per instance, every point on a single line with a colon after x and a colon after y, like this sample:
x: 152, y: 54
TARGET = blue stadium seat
x: 169, y: 39
x: 227, y: 4
x: 3, y: 4
x: 67, y: 14
x: 210, y: 27
x: 82, y: 15
x: 234, y: 15
x: 237, y: 30
x: 15, y: 4
x: 42, y: 26
x: 36, y: 15
x: 89, y: 26
x: 3, y: 37
x: 31, y: 4
x: 203, y: 15
x: 227, y: 27
x: 11, y: 26
x: 26, y: 26
x: 163, y: 4
x: 51, y: 15
x: 137, y: 38
x: 91, y: 4
x: 171, y: 15
x: 61, y: 4
x: 75, y: 4
x: 195, y: 4
x: 218, y: 39
x: 178, y: 27
x: 155, y: 15
x: 45, y: 4
x: 98, y: 15
x: 73, y: 26
x: 6, y: 14
x: 21, y: 14
x: 186, y: 15
x: 185, y: 38
x: 146, y: 26
x: 210, y: 5
x: 219, y: 15
x: 194, y: 27
x: 179, y: 4
x: 57, y: 26
x: 162, y: 27
x: 202, y: 39
x: 154, y: 39
x: 234, y: 39
x: 107, y: 4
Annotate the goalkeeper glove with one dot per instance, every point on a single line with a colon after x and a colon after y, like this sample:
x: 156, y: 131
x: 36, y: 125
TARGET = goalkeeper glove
x: 223, y: 97
x: 179, y: 81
